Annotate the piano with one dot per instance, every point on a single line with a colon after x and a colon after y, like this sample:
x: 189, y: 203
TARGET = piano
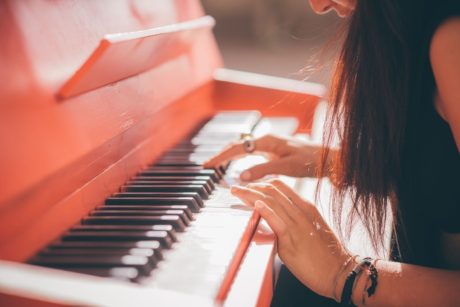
x: 108, y: 109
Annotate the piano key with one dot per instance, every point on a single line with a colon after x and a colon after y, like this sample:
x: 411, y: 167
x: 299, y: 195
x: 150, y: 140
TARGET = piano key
x: 167, y: 188
x: 160, y: 236
x: 130, y: 199
x: 183, y: 208
x: 206, y: 179
x: 193, y: 156
x: 186, y: 161
x: 95, y: 261
x: 186, y: 164
x: 129, y: 274
x: 199, y: 167
x: 145, y: 252
x: 130, y: 213
x: 182, y: 160
x: 109, y: 245
x: 173, y: 220
x: 190, y: 199
x: 180, y: 172
x: 163, y: 182
x: 168, y: 228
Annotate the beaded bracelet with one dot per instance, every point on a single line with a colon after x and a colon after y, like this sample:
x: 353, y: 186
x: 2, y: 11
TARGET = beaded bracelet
x: 373, y: 276
x: 350, y: 280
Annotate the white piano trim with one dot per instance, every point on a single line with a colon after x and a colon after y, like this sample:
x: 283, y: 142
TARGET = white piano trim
x: 39, y: 284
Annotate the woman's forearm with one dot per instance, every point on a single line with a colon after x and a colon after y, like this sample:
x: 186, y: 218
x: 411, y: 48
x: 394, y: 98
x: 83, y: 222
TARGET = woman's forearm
x: 410, y: 285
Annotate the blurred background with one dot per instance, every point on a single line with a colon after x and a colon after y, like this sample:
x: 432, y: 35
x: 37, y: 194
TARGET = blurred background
x: 282, y: 38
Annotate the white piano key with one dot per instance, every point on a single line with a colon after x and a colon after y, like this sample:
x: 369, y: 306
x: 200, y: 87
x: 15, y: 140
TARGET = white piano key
x: 204, y: 252
x: 199, y: 261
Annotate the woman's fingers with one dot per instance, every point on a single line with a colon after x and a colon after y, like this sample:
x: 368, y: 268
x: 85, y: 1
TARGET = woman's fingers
x: 265, y: 144
x: 270, y: 190
x: 275, y: 223
x: 282, y: 166
x: 250, y: 196
x: 232, y: 151
x: 246, y: 195
x: 303, y: 205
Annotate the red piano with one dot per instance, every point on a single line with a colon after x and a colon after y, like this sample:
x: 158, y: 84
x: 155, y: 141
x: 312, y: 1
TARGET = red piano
x: 108, y: 109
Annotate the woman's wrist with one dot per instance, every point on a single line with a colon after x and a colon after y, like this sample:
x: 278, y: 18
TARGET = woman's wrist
x: 359, y: 288
x: 341, y: 276
x: 357, y: 282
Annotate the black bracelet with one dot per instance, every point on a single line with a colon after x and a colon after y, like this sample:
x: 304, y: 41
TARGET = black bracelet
x: 349, y: 282
x: 374, y: 276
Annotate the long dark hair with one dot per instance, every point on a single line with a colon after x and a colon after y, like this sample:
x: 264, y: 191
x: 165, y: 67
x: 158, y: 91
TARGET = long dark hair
x: 375, y: 82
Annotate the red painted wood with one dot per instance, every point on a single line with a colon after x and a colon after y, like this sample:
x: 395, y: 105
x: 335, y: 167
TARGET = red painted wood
x: 51, y: 149
x: 60, y: 159
x: 270, y: 102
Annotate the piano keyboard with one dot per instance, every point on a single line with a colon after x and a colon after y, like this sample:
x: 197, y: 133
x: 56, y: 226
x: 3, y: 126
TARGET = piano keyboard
x: 174, y: 225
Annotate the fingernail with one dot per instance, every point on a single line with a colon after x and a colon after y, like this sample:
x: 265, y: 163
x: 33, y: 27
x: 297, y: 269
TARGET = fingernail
x: 246, y: 176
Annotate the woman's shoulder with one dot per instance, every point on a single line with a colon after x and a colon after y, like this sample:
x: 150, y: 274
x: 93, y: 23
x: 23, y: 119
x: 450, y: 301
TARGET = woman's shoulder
x: 445, y: 63
x: 445, y: 40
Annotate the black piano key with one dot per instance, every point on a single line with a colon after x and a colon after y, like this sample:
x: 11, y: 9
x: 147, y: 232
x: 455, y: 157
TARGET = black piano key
x: 128, y: 274
x: 187, y: 163
x: 206, y: 179
x: 152, y: 244
x: 109, y: 245
x: 204, y: 184
x: 152, y: 255
x: 183, y: 208
x: 160, y: 236
x: 172, y: 220
x: 144, y: 252
x: 178, y: 182
x: 143, y: 264
x: 177, y: 161
x: 191, y: 199
x: 127, y: 213
x: 168, y: 228
x: 119, y: 200
x: 197, y: 156
x: 176, y: 179
x: 209, y: 172
x: 178, y: 172
x: 168, y: 188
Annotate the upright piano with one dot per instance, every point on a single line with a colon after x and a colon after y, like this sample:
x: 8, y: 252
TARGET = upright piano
x: 108, y: 109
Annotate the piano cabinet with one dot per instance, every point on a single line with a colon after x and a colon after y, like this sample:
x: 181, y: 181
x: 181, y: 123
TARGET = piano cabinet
x: 61, y: 158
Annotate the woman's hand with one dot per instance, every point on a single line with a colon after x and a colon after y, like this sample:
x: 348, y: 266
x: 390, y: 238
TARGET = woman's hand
x: 287, y: 157
x: 305, y: 243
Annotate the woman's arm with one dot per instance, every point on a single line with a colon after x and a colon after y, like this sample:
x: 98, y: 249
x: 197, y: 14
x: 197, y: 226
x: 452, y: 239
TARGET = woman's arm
x: 312, y: 252
x: 402, y: 284
x: 445, y: 61
x: 410, y: 285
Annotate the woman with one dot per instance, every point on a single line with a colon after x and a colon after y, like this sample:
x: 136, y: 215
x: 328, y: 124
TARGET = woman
x: 396, y: 93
